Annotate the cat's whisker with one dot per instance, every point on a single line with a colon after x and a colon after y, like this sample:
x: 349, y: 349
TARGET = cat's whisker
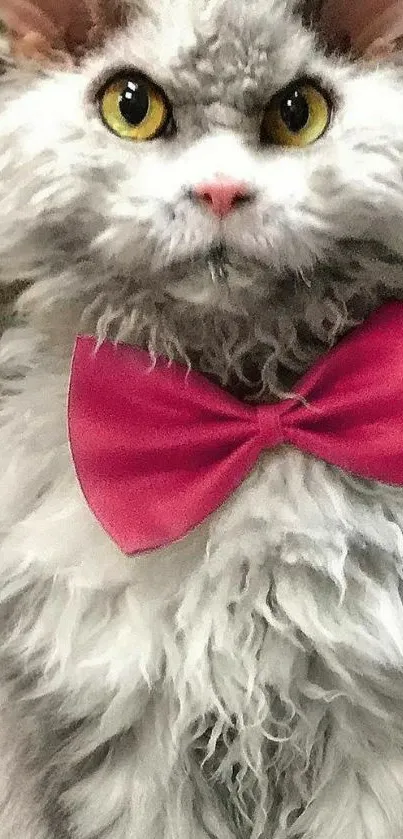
x: 307, y: 282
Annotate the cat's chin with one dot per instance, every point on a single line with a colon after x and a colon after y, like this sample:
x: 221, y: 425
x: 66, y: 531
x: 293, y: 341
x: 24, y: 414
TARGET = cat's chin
x: 218, y: 279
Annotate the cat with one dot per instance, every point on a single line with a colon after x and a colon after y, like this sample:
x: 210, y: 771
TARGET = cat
x: 246, y: 682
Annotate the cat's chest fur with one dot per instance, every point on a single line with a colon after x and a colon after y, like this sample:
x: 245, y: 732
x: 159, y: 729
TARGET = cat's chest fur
x: 285, y: 601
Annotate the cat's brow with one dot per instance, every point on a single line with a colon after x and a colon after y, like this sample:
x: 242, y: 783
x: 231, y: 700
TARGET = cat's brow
x: 196, y: 79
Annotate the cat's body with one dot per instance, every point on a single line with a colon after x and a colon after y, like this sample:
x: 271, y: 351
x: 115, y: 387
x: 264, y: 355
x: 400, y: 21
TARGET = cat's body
x: 248, y: 682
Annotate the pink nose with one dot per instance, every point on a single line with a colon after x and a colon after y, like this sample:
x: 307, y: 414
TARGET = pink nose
x: 221, y: 196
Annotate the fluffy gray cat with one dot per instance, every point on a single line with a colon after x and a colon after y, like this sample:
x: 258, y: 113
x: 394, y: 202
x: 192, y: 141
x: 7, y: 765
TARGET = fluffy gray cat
x: 247, y: 682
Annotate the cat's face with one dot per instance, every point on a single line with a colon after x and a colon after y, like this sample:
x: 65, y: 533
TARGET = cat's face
x: 125, y: 221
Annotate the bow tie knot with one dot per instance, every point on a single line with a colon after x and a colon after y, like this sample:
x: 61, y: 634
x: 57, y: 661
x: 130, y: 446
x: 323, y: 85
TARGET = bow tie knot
x: 270, y: 425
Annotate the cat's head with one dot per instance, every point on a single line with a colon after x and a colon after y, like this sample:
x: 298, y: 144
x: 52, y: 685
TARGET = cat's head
x: 201, y: 175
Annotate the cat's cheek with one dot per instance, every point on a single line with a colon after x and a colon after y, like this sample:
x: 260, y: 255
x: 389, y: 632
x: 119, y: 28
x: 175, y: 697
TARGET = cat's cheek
x: 275, y: 228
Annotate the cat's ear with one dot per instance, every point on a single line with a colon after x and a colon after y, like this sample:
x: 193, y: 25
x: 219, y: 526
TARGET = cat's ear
x: 369, y: 28
x: 59, y: 30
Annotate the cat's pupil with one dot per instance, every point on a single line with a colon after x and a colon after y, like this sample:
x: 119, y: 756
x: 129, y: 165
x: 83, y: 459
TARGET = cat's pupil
x: 295, y: 111
x: 134, y: 102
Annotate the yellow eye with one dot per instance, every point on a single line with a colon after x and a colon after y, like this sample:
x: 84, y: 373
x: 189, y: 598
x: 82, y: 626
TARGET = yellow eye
x: 297, y: 116
x: 134, y: 108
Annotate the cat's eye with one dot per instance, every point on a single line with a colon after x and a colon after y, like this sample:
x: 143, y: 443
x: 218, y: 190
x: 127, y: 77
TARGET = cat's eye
x: 297, y: 116
x: 133, y: 107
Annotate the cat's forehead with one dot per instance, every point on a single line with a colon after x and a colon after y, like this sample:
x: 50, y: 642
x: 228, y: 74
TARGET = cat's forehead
x: 202, y: 50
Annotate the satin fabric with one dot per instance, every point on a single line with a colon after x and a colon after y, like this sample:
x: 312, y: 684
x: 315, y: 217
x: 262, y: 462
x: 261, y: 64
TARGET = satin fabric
x: 157, y: 448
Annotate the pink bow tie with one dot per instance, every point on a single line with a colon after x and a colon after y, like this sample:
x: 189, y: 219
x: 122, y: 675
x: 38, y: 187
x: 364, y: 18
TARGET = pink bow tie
x: 157, y: 449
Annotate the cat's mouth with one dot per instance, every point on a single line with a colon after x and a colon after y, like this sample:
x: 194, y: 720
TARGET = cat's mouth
x: 218, y: 265
x: 219, y: 274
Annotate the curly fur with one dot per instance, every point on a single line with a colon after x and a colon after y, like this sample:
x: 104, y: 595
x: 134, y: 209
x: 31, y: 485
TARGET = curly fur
x: 247, y: 682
